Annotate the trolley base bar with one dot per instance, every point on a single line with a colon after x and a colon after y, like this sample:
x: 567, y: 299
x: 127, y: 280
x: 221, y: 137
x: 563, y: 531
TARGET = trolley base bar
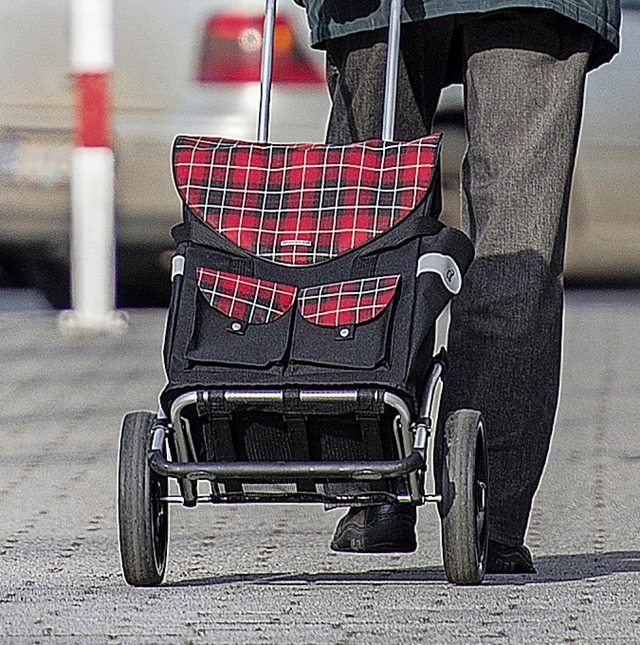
x: 286, y: 471
x: 377, y: 497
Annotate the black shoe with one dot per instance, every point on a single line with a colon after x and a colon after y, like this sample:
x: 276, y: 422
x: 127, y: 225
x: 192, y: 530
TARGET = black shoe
x: 385, y: 528
x: 509, y: 559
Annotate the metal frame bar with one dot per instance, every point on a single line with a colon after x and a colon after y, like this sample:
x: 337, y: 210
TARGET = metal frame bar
x: 391, y: 73
x: 374, y: 497
x: 411, y: 440
x: 185, y: 467
x: 279, y: 471
x: 266, y: 66
x: 391, y: 77
x: 429, y: 399
x: 182, y: 433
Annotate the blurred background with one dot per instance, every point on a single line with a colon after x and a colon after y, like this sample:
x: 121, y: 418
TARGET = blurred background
x: 191, y: 67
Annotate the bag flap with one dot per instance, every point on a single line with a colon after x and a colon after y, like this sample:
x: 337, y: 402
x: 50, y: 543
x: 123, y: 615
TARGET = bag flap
x: 347, y: 303
x: 300, y: 204
x: 240, y: 297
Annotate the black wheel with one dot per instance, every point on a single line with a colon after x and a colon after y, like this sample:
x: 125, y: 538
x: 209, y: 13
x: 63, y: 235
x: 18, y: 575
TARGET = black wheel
x: 463, y: 509
x: 143, y: 516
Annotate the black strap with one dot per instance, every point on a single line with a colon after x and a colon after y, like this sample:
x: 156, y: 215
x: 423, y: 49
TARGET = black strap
x: 197, y: 232
x: 299, y: 442
x: 218, y: 435
x: 370, y: 427
x: 364, y: 266
x: 225, y: 447
x: 372, y: 443
x: 298, y: 437
x: 415, y: 225
x: 371, y: 407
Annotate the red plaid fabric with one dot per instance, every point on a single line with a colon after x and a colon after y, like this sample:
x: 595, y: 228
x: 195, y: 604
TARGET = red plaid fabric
x: 300, y: 204
x: 347, y: 303
x: 243, y: 298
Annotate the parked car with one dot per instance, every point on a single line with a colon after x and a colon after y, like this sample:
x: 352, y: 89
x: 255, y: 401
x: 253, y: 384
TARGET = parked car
x: 603, y: 245
x: 192, y: 67
x: 604, y: 224
x: 180, y: 67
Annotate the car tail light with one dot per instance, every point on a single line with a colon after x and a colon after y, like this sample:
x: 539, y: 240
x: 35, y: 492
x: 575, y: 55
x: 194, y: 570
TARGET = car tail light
x: 232, y: 47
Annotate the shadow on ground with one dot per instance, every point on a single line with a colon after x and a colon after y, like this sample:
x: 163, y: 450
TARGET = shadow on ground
x: 553, y: 568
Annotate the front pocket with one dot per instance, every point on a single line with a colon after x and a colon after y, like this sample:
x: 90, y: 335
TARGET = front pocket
x: 240, y: 320
x: 345, y: 324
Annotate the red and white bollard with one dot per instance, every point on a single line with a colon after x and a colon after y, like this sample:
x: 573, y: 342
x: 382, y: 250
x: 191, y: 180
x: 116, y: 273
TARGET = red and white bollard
x: 93, y: 239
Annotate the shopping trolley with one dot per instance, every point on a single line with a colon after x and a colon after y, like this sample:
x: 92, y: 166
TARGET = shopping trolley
x: 305, y: 344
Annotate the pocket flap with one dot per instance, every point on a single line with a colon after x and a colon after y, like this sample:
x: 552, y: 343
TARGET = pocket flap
x: 240, y: 297
x: 347, y: 303
x: 302, y: 204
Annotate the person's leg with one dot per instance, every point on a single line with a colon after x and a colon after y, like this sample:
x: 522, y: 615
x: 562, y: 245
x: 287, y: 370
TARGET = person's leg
x: 356, y: 76
x: 524, y: 83
x: 356, y: 72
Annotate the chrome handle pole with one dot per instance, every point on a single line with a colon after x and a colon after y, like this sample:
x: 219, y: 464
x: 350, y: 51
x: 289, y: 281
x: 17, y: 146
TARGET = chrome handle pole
x: 266, y: 67
x: 391, y: 80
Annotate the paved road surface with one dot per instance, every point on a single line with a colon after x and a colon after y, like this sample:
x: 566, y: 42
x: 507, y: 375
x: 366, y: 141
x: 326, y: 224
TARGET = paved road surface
x: 265, y: 574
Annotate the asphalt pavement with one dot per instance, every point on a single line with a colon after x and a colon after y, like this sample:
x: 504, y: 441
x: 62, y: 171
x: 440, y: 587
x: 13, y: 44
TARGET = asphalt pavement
x: 265, y: 574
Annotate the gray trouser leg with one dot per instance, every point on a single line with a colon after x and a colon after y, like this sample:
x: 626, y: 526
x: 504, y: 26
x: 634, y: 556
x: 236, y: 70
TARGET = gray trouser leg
x: 356, y: 73
x: 524, y: 81
x: 523, y: 110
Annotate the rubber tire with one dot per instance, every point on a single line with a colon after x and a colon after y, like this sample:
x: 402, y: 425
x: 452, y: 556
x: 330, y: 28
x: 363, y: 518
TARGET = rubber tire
x: 143, y: 518
x: 464, y: 490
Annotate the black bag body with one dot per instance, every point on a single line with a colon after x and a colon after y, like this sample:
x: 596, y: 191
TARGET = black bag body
x: 308, y: 267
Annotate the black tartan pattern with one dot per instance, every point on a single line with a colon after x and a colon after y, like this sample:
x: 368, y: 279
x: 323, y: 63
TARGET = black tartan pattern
x: 347, y: 303
x: 300, y: 204
x: 244, y: 298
